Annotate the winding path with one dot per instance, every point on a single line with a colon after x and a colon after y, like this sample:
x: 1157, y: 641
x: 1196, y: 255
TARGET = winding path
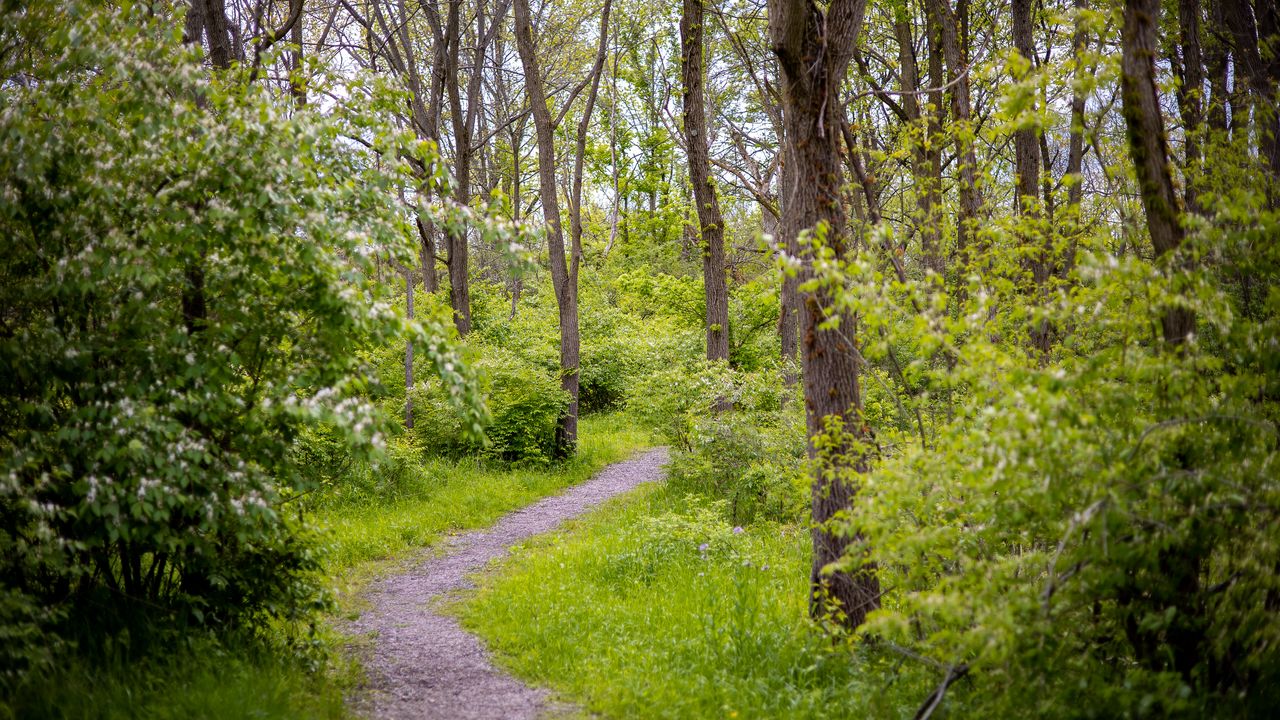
x: 422, y: 664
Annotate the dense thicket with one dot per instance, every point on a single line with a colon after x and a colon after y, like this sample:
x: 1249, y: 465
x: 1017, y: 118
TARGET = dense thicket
x: 983, y: 295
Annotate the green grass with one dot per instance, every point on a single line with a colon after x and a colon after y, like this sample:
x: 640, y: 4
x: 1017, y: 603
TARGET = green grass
x: 230, y: 678
x: 655, y: 607
x: 193, y: 678
x: 441, y: 496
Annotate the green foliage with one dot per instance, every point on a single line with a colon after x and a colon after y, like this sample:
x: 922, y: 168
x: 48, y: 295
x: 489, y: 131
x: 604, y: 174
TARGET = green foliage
x: 657, y: 607
x: 385, y: 508
x: 199, y: 677
x: 750, y: 456
x: 185, y: 285
x: 1099, y: 523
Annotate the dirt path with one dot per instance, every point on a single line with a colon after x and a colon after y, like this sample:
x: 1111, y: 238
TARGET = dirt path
x: 424, y: 665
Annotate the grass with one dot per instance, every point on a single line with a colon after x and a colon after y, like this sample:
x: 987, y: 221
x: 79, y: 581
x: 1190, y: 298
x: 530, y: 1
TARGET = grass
x: 655, y: 607
x: 229, y: 677
x: 441, y: 496
x: 196, y: 678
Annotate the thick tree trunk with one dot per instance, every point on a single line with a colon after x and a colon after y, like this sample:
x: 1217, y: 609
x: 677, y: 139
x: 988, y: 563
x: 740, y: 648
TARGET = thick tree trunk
x: 813, y: 50
x: 704, y: 189
x: 218, y: 34
x: 1026, y: 141
x: 456, y: 244
x: 427, y: 257
x: 1148, y: 145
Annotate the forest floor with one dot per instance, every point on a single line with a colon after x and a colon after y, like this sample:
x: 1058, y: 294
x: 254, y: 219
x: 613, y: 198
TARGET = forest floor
x: 420, y: 662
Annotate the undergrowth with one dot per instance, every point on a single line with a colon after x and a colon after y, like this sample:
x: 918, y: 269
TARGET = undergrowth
x: 656, y: 606
x: 267, y: 676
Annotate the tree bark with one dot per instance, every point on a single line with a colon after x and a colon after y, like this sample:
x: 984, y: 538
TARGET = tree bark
x: 564, y: 275
x: 949, y: 31
x: 408, y: 353
x: 704, y: 189
x: 1148, y: 145
x: 1190, y: 93
x: 813, y: 50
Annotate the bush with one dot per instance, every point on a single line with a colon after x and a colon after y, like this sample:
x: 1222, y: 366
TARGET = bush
x: 183, y: 297
x: 751, y: 456
x: 524, y: 402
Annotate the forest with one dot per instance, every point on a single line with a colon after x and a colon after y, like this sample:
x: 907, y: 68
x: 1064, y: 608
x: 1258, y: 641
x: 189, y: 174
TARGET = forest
x: 604, y: 358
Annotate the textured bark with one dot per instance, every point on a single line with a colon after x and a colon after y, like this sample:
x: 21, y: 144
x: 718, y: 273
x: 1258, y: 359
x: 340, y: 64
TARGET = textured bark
x: 789, y: 319
x: 1190, y: 93
x: 218, y: 34
x: 456, y: 244
x: 564, y: 275
x: 813, y: 50
x: 427, y: 257
x: 1148, y: 145
x: 704, y: 189
x: 1026, y: 141
x: 949, y: 31
x: 408, y: 353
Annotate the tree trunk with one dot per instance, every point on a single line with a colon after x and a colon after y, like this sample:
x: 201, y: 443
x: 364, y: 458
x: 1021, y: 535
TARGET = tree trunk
x: 427, y: 257
x: 1190, y: 93
x: 704, y: 189
x: 1148, y: 145
x: 788, y: 227
x: 922, y: 153
x: 934, y: 257
x: 456, y: 241
x: 1075, y: 143
x: 408, y: 353
x: 949, y: 31
x: 564, y: 276
x: 813, y: 50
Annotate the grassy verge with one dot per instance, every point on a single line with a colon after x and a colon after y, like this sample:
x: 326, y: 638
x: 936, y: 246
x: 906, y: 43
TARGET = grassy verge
x: 194, y: 677
x: 226, y: 677
x: 656, y: 607
x: 443, y: 496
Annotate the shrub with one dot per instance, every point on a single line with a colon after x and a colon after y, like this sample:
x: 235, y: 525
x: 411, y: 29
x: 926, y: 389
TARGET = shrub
x: 183, y: 298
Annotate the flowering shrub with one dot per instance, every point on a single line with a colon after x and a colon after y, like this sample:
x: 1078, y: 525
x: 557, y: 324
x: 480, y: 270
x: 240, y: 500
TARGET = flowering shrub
x: 184, y: 289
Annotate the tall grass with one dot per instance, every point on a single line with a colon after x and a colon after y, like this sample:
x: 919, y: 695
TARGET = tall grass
x: 439, y: 496
x: 656, y: 607
x: 196, y: 677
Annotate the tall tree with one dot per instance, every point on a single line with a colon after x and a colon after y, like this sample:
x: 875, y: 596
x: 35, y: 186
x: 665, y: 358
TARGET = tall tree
x: 951, y: 33
x: 1148, y: 144
x: 814, y: 48
x: 564, y: 271
x: 704, y: 190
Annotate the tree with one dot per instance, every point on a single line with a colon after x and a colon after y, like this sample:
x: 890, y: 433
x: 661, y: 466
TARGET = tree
x: 704, y: 190
x: 814, y: 49
x: 1149, y: 146
x: 564, y: 271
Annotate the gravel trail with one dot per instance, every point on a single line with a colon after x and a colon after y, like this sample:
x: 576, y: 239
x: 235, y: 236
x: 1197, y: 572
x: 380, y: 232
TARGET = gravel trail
x: 423, y: 665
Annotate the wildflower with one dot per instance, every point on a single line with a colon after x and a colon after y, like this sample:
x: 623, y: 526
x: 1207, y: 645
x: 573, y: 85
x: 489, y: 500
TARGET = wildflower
x: 737, y: 530
x: 704, y: 547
